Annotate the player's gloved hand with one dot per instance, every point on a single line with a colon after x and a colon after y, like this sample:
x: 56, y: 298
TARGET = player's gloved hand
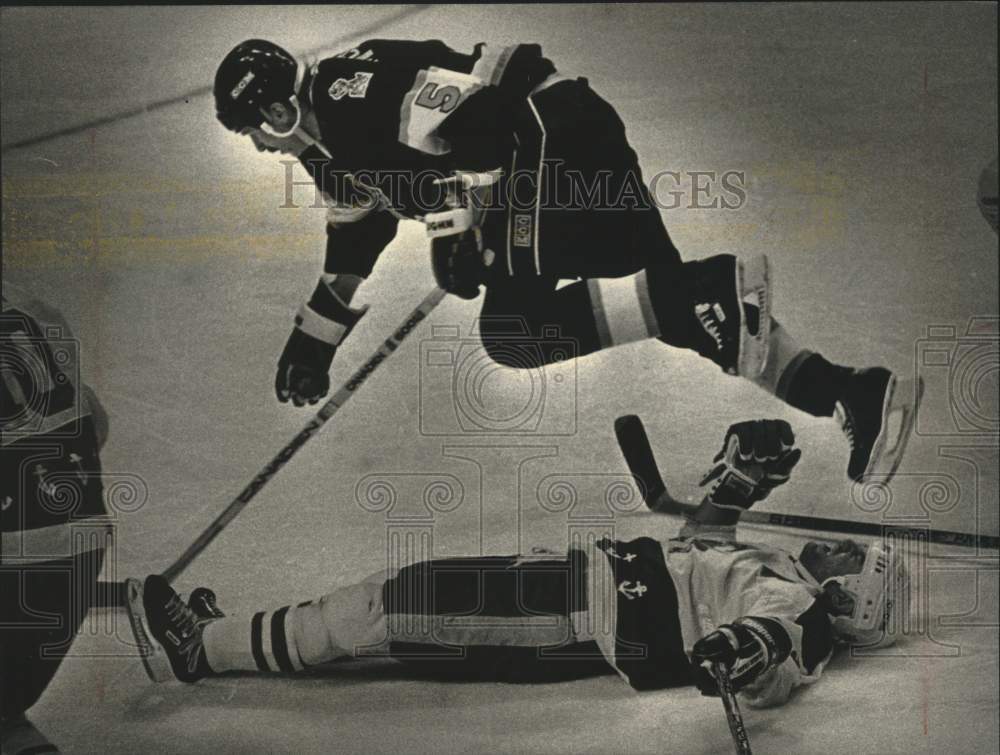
x: 756, y: 457
x: 458, y: 255
x: 320, y: 327
x: 458, y: 262
x: 748, y: 647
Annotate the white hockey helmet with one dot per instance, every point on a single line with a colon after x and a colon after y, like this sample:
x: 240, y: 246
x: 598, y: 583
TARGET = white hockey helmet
x: 881, y: 599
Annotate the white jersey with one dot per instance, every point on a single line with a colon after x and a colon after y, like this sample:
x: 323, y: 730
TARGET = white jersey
x: 719, y: 580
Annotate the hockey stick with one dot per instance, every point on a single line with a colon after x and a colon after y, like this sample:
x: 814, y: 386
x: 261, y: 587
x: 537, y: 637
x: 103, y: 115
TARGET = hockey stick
x: 638, y: 453
x: 733, y: 715
x: 314, y: 425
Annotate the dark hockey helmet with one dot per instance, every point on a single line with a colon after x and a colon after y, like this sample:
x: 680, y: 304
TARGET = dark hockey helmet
x: 254, y: 74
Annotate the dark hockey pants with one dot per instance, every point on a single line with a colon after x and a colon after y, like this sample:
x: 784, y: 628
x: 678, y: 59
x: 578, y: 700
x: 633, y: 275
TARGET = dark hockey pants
x: 612, y: 228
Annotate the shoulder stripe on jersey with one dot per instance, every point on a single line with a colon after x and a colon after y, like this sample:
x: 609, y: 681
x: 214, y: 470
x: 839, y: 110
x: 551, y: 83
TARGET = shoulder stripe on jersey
x: 336, y: 214
x: 492, y: 63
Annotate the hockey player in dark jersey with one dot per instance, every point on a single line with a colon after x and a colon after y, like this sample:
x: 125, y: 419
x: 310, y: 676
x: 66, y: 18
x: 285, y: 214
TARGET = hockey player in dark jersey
x: 396, y: 130
x: 52, y: 519
x: 657, y: 612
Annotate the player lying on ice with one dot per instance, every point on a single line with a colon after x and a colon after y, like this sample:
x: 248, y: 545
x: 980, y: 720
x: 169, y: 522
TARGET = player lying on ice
x: 659, y: 612
x: 388, y: 129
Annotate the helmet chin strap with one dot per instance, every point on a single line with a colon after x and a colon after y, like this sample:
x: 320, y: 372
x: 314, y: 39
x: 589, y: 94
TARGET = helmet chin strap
x: 267, y: 128
x: 296, y: 128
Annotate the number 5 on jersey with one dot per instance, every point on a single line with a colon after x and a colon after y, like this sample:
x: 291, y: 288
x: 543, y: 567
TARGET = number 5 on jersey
x: 435, y: 93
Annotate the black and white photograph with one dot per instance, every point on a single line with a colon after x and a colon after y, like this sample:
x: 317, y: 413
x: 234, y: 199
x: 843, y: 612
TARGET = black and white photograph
x: 500, y: 378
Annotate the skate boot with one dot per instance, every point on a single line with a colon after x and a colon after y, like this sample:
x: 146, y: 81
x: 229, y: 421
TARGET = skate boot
x: 876, y: 412
x: 18, y: 736
x: 169, y: 631
x: 732, y: 304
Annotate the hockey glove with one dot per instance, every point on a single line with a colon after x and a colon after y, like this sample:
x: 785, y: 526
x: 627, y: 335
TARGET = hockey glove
x: 748, y: 647
x: 320, y: 327
x: 458, y: 256
x: 756, y: 457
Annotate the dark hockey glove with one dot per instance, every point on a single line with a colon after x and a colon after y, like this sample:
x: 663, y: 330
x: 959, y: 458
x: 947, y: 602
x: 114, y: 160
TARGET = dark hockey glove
x: 320, y: 327
x: 748, y: 647
x: 756, y: 457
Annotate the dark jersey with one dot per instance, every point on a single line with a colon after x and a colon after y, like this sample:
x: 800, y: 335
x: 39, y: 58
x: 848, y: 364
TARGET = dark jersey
x: 49, y: 429
x: 390, y: 113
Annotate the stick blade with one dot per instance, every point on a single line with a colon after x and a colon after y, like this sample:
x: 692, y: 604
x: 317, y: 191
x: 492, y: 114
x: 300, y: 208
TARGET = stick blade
x: 638, y: 454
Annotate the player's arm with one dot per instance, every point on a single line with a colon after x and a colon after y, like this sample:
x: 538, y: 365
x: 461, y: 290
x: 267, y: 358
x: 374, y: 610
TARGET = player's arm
x: 467, y: 109
x: 771, y: 650
x: 358, y: 231
x: 481, y: 129
x: 756, y: 457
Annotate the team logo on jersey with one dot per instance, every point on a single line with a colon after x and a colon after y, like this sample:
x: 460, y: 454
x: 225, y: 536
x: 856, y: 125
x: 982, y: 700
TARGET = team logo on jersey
x: 522, y: 229
x: 354, y: 87
x: 241, y: 85
x: 631, y: 591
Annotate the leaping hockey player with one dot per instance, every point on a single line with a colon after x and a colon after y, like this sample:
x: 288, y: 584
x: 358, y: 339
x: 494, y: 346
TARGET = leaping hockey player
x: 403, y: 129
x: 658, y: 612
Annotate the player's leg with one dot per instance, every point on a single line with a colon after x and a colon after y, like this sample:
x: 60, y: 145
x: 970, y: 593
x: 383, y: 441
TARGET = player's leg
x: 703, y: 306
x: 487, y: 617
x: 526, y: 323
x: 41, y: 609
x: 194, y: 639
x: 589, y: 214
x: 509, y: 618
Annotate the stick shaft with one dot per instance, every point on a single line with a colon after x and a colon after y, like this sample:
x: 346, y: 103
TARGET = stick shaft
x: 733, y: 716
x: 333, y: 404
x: 638, y: 453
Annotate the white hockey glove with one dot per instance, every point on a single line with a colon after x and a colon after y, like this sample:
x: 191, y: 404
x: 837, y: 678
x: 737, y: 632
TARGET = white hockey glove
x: 458, y: 256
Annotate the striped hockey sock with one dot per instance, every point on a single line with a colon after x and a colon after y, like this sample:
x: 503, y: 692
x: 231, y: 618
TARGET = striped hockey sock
x: 265, y: 643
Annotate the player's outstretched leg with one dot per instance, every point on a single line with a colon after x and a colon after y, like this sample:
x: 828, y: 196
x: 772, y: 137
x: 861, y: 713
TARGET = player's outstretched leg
x: 720, y: 307
x: 876, y: 411
x: 188, y: 641
x: 168, y: 631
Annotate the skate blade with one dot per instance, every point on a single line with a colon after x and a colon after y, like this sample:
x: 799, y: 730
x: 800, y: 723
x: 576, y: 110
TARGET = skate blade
x: 899, y: 410
x: 754, y: 281
x: 153, y: 656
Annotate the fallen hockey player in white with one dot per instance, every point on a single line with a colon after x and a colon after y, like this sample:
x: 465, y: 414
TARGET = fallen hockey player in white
x: 660, y: 613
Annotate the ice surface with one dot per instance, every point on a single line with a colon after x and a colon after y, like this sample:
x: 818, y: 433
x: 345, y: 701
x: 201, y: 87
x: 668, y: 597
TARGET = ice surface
x: 861, y: 129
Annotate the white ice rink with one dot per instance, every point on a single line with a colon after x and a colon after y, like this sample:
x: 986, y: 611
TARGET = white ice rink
x: 861, y: 129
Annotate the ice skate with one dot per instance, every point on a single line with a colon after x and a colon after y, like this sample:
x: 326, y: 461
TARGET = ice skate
x: 169, y: 631
x: 876, y: 413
